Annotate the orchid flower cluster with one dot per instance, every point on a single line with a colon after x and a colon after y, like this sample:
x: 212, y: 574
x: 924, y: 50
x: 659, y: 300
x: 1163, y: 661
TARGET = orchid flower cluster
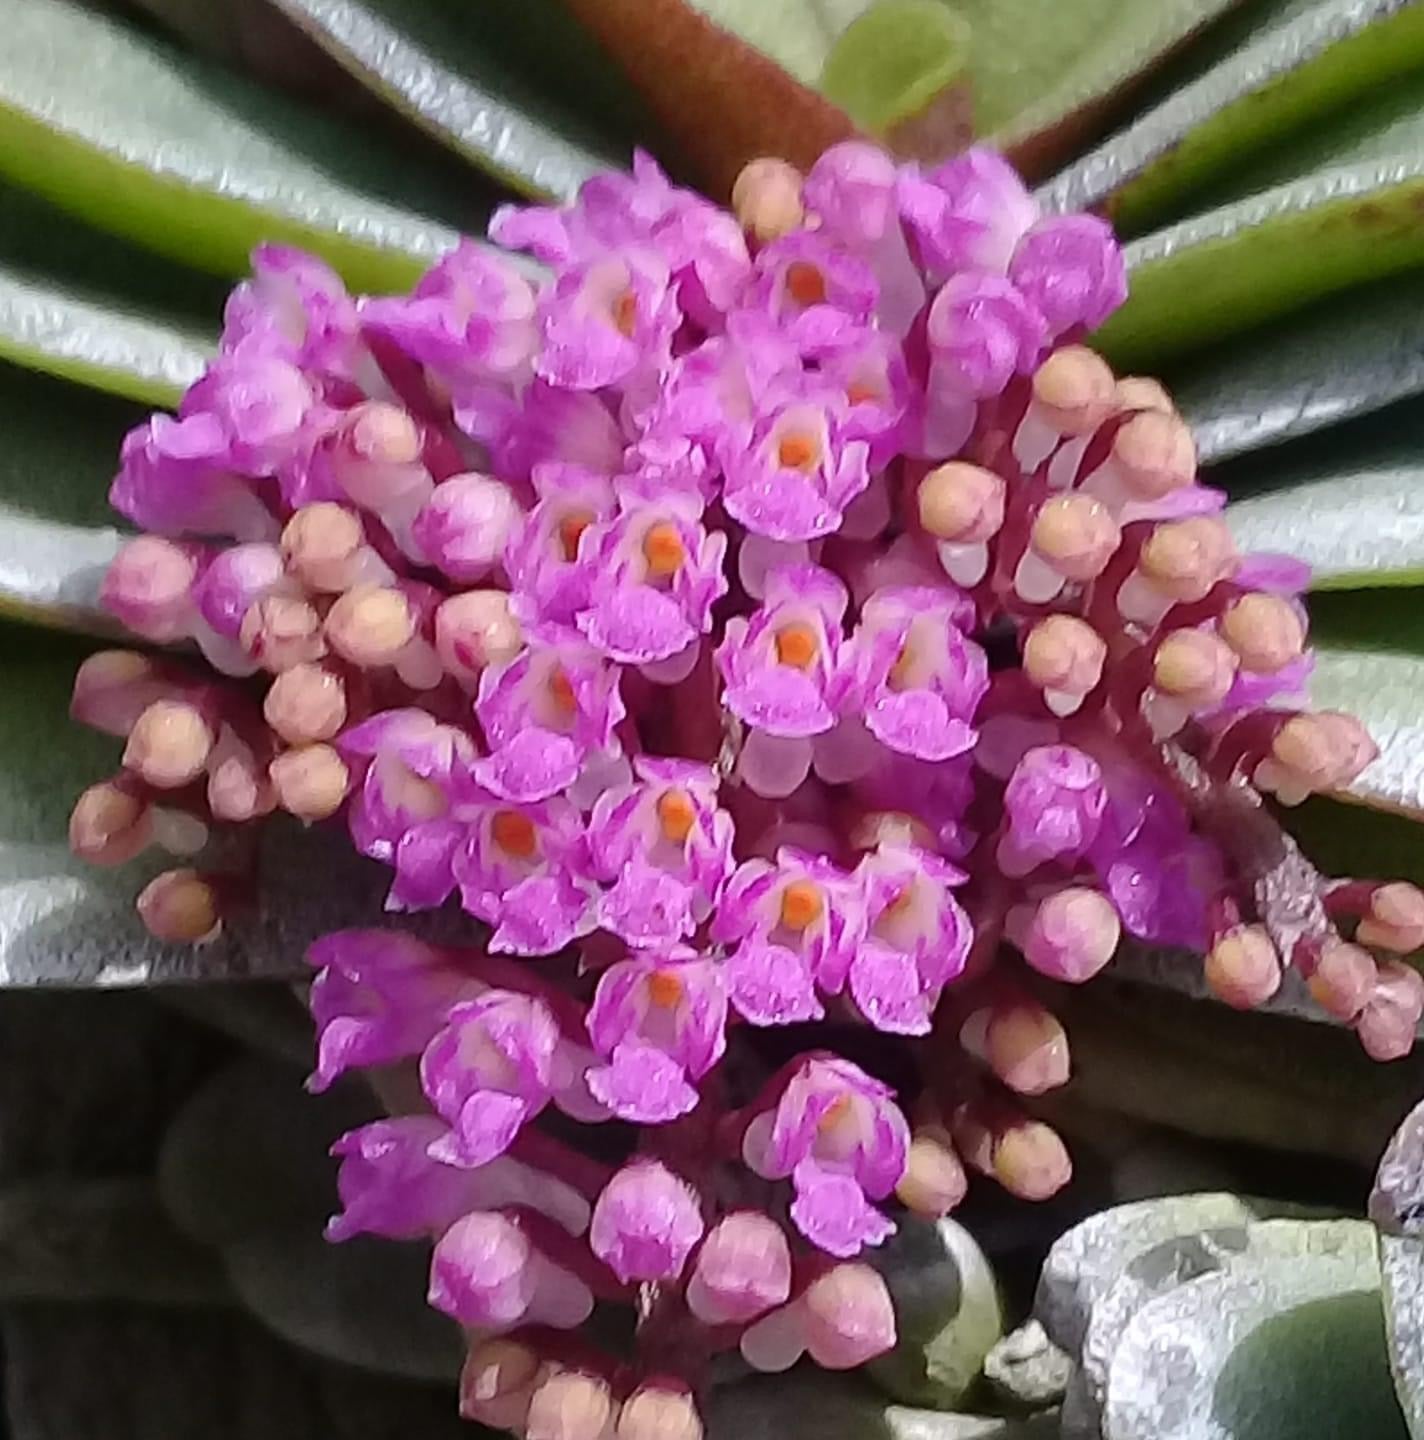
x: 757, y: 620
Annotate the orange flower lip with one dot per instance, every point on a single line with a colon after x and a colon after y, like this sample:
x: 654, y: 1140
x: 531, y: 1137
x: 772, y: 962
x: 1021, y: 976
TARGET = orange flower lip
x: 676, y: 815
x: 796, y: 646
x: 805, y: 283
x: 801, y: 904
x: 663, y: 550
x: 797, y: 451
x: 514, y: 834
x: 665, y: 989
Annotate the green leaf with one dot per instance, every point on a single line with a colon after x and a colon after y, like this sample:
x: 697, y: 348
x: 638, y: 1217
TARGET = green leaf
x: 1350, y: 504
x: 1223, y: 272
x: 451, y: 73
x: 1312, y: 67
x: 192, y: 162
x: 63, y: 922
x: 89, y: 308
x: 1343, y: 357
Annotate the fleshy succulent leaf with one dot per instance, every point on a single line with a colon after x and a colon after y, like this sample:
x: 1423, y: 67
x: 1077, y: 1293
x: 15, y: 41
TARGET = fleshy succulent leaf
x: 454, y: 78
x: 198, y: 164
x: 1309, y: 67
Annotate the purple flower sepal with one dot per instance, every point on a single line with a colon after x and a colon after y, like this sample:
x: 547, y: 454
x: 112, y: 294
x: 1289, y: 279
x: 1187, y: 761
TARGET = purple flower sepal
x: 655, y: 575
x: 1054, y: 802
x: 496, y: 1063
x: 378, y: 997
x: 666, y: 848
x: 796, y: 926
x: 840, y: 1137
x: 658, y: 1019
x: 917, y: 937
x: 967, y: 214
x: 645, y: 1224
x: 295, y: 306
x: 391, y: 1184
x: 544, y: 713
x: 1070, y: 269
x: 912, y: 676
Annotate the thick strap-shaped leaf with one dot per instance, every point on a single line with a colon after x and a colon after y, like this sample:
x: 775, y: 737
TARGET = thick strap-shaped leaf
x: 450, y: 74
x: 191, y: 161
x: 1342, y: 357
x: 1313, y: 65
x: 1223, y: 272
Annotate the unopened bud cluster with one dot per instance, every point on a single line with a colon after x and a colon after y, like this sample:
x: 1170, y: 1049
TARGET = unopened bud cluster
x: 771, y: 619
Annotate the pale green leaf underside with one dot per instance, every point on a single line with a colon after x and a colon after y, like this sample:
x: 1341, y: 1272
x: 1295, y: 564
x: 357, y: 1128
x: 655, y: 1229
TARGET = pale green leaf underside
x: 461, y: 93
x: 189, y: 161
x: 1223, y: 272
x: 1315, y: 64
x: 1029, y: 63
x: 1342, y: 357
x: 1355, y: 531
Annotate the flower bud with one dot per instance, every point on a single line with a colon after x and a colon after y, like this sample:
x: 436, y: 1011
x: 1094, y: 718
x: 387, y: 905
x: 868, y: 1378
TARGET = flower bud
x: 310, y: 782
x: 113, y: 688
x: 742, y: 1270
x: 1193, y: 666
x: 1154, y: 454
x: 934, y: 1181
x: 848, y: 1317
x: 378, y: 465
x: 465, y: 524
x: 1313, y: 753
x: 1064, y: 657
x: 148, y: 588
x: 1390, y: 1018
x: 1073, y: 390
x: 1183, y: 559
x: 1031, y: 1161
x: 1395, y: 921
x: 323, y: 545
x: 1141, y: 392
x: 656, y: 1413
x: 1072, y: 935
x: 474, y: 630
x: 766, y: 199
x: 1022, y: 1043
x: 280, y: 631
x: 1266, y: 632
x: 306, y: 703
x: 1242, y: 968
x: 961, y: 502
x: 569, y: 1406
x: 370, y: 625
x: 1073, y: 538
x: 497, y: 1383
x: 1343, y: 978
x: 169, y: 744
x: 109, y: 825
x: 645, y: 1223
x: 180, y: 907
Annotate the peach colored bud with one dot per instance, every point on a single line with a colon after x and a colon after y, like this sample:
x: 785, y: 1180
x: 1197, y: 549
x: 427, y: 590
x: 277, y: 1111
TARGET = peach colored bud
x: 384, y: 434
x: 1026, y: 1048
x: 1074, y: 388
x: 1243, y: 968
x: 310, y: 782
x: 1194, y: 667
x: 169, y: 744
x: 848, y: 1317
x: 180, y: 907
x: 1155, y: 455
x: 934, y: 1181
x: 322, y: 543
x: 280, y: 631
x: 474, y: 630
x: 1343, y: 978
x: 1390, y: 1019
x: 370, y: 625
x: 961, y: 502
x: 112, y: 689
x: 306, y: 703
x: 1264, y: 630
x: 109, y: 826
x: 1072, y: 935
x: 569, y: 1406
x: 654, y: 1413
x: 1141, y: 392
x: 1185, y: 558
x: 766, y: 199
x: 497, y: 1383
x: 1314, y: 753
x: 1075, y: 535
x: 1354, y: 749
x: 148, y: 587
x: 1030, y: 1161
x: 1065, y: 654
x: 1396, y: 919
